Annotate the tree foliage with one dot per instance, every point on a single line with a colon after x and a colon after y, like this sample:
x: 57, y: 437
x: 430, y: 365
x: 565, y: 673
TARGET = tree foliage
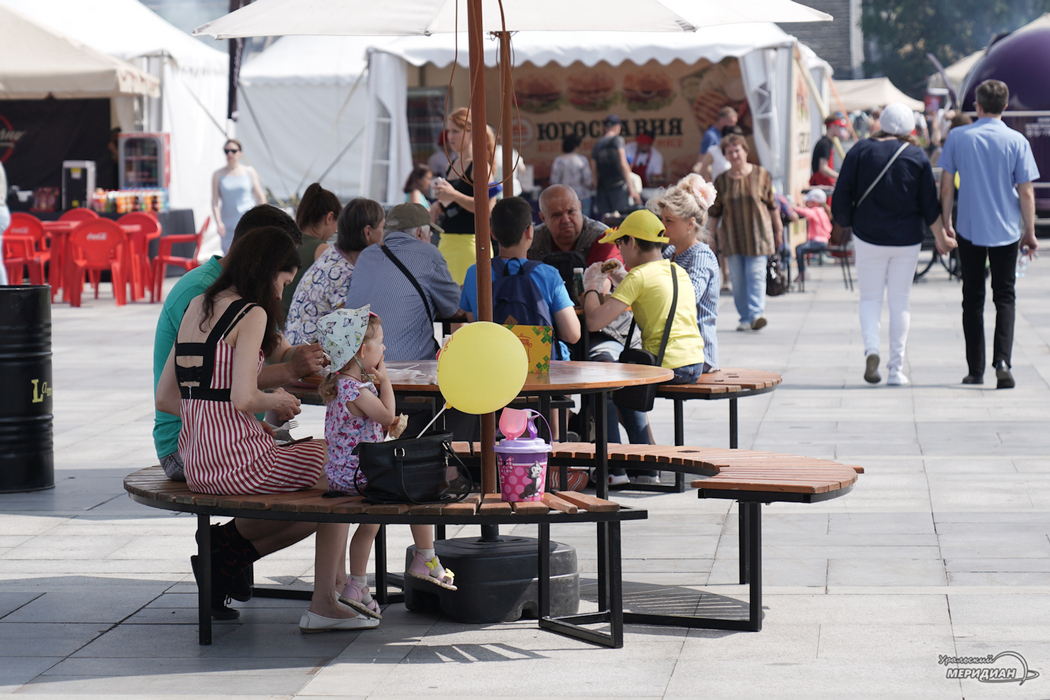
x: 899, y: 33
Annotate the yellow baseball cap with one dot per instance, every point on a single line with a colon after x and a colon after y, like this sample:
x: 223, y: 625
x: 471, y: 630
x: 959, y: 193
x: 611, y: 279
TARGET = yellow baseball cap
x: 641, y: 224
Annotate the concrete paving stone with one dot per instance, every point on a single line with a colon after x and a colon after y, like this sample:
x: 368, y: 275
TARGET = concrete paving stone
x: 14, y: 675
x: 998, y: 578
x: 11, y: 601
x: 1018, y: 545
x: 104, y: 604
x: 195, y: 684
x: 35, y: 639
x: 885, y: 643
x: 856, y: 609
x: 867, y: 523
x: 886, y: 572
x: 1006, y: 609
x: 775, y: 572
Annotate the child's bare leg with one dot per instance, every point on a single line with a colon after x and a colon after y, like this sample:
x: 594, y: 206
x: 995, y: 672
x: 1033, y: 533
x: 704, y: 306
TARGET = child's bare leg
x: 329, y: 559
x: 341, y: 576
x: 361, y: 548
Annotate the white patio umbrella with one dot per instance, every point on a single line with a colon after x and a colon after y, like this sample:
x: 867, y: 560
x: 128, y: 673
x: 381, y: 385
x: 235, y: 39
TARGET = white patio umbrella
x: 424, y: 17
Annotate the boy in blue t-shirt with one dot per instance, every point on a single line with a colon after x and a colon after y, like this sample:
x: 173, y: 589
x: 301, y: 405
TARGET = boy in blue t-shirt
x: 512, y: 227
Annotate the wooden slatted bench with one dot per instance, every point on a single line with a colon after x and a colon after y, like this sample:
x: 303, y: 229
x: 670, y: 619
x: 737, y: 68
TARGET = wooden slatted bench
x: 152, y: 488
x: 749, y: 477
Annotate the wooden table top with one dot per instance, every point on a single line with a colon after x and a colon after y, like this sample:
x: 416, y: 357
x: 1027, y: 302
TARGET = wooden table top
x: 564, y: 377
x: 725, y: 383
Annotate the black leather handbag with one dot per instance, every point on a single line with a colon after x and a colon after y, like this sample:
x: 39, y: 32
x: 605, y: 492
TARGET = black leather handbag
x: 642, y: 398
x: 412, y: 470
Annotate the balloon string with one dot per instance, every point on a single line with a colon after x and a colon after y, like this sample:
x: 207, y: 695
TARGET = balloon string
x: 436, y: 416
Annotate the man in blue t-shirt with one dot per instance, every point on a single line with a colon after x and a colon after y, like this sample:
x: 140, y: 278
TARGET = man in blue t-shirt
x: 996, y: 213
x: 727, y: 116
x: 512, y: 227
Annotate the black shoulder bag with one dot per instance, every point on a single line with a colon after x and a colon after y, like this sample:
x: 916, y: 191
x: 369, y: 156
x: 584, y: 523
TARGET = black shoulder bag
x: 415, y: 283
x: 411, y: 470
x: 642, y: 398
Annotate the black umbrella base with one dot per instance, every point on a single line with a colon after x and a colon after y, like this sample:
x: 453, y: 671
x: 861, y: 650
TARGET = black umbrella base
x: 496, y: 581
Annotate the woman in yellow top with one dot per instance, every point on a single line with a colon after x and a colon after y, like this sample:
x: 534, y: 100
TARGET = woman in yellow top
x: 647, y: 288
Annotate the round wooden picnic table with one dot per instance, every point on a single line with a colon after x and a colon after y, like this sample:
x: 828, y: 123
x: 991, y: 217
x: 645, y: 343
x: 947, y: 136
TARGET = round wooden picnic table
x: 563, y: 378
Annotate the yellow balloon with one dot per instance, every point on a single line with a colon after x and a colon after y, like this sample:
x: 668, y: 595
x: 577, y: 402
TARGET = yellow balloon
x: 482, y: 368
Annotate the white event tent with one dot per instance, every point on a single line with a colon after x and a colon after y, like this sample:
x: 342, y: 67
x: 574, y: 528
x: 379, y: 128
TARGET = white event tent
x: 192, y: 105
x: 857, y: 95
x: 36, y: 63
x: 297, y: 95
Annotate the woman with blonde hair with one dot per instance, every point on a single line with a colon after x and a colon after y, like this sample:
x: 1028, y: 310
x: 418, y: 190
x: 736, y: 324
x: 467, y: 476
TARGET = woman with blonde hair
x: 683, y: 210
x: 454, y: 208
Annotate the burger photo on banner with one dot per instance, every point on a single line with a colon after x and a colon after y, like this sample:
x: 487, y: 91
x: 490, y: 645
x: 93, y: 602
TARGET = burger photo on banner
x: 675, y: 103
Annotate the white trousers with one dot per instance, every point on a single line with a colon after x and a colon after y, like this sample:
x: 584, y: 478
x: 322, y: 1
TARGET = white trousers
x: 889, y: 270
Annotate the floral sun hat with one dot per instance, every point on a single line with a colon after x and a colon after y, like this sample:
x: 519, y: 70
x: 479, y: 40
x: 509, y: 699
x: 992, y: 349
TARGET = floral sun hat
x: 341, y: 333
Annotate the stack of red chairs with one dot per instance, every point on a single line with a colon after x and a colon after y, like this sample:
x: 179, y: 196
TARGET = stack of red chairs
x: 138, y: 262
x: 25, y: 248
x: 165, y: 258
x: 95, y: 246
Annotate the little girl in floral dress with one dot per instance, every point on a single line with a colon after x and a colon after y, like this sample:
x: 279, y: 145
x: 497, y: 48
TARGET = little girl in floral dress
x: 360, y: 402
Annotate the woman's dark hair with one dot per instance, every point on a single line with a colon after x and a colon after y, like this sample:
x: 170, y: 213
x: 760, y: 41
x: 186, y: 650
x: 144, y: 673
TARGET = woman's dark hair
x: 416, y: 177
x: 570, y: 143
x: 961, y: 119
x: 734, y: 129
x: 315, y: 205
x: 350, y: 229
x: 235, y: 142
x: 253, y: 263
x: 734, y: 140
x: 909, y: 138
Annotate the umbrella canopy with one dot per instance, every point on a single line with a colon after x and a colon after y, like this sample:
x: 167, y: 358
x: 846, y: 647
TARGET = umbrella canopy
x: 410, y: 17
x: 859, y: 95
x: 36, y: 62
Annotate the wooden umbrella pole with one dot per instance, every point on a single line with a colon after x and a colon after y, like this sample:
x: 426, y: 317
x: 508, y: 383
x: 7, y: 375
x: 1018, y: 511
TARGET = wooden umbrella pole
x: 508, y: 106
x: 479, y: 136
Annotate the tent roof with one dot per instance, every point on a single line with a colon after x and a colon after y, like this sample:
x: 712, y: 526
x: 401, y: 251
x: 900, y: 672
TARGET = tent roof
x: 541, y: 48
x: 123, y: 28
x: 331, y: 60
x: 874, y: 92
x: 958, y: 71
x: 36, y: 62
x: 311, y: 60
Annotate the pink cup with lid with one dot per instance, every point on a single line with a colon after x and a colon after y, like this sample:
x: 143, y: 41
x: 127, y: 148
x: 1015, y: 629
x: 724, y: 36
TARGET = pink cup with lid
x: 522, y: 462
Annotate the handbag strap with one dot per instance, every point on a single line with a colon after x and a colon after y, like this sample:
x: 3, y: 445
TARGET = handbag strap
x: 461, y: 469
x: 411, y: 278
x: 670, y: 317
x: 877, y: 179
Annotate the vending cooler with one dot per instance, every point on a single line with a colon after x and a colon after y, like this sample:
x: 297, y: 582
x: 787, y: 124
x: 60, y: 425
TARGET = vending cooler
x: 78, y: 183
x: 145, y: 161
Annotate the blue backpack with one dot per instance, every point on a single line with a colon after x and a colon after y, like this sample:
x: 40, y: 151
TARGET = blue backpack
x: 517, y: 299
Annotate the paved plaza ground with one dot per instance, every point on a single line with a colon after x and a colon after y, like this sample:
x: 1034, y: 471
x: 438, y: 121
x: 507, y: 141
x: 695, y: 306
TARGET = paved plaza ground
x: 941, y: 549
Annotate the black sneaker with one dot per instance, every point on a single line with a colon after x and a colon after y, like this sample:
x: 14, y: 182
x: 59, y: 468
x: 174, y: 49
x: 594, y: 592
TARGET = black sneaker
x: 1003, y: 378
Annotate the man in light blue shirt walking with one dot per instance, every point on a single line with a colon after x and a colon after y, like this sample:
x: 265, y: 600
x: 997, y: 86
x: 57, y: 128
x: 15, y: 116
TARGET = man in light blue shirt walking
x: 996, y: 214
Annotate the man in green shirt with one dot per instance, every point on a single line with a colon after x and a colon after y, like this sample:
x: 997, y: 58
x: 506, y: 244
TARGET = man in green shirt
x: 256, y: 537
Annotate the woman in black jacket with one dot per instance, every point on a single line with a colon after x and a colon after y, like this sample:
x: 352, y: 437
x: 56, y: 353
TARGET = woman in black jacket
x: 887, y: 193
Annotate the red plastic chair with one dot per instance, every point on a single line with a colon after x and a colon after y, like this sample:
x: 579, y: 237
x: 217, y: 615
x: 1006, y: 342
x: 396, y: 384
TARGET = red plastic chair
x: 79, y: 214
x: 25, y: 248
x: 165, y: 258
x: 138, y: 252
x: 95, y: 246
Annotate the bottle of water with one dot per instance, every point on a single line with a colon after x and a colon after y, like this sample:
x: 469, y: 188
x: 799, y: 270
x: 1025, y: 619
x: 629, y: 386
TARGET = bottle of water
x: 1022, y: 263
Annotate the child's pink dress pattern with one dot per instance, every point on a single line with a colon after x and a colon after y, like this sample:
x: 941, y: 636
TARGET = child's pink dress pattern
x: 344, y: 431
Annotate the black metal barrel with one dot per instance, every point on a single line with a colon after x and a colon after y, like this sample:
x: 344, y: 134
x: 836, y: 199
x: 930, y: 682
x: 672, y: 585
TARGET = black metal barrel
x: 27, y: 450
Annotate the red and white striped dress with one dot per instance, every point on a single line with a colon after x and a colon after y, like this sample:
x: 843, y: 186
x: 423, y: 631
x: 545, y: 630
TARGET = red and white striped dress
x: 226, y: 451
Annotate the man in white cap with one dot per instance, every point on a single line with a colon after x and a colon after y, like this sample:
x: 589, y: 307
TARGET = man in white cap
x: 996, y: 214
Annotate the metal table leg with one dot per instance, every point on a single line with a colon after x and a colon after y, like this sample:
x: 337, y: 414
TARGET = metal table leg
x: 204, y: 582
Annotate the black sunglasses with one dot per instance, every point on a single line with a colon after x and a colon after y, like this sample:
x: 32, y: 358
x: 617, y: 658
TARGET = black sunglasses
x: 228, y: 151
